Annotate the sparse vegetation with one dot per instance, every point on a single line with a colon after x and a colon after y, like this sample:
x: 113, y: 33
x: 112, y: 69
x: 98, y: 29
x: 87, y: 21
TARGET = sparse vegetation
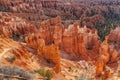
x: 104, y: 29
x: 46, y: 73
x: 15, y: 71
x: 70, y: 69
x: 23, y: 39
x: 11, y: 59
x: 16, y: 35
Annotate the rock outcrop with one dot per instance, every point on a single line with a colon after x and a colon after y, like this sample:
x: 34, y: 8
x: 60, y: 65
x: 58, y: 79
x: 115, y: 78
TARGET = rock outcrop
x: 74, y: 40
x: 51, y: 53
x: 49, y: 27
x: 48, y: 52
x: 34, y: 41
x: 104, y: 51
x: 114, y: 39
x: 92, y: 21
x: 13, y: 26
x: 78, y: 41
x: 103, y: 58
x: 108, y: 53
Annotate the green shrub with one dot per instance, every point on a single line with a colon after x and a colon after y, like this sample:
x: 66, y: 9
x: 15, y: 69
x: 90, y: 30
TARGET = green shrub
x: 46, y: 73
x: 70, y: 69
x: 104, y: 28
x: 12, y: 59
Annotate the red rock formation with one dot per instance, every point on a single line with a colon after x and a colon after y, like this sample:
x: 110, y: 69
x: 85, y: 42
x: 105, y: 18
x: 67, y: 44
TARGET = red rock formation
x: 76, y: 41
x: 68, y: 9
x: 34, y: 41
x: 12, y: 25
x: 104, y: 51
x: 103, y: 57
x: 48, y: 52
x: 52, y: 54
x: 114, y: 46
x: 49, y: 27
x: 92, y: 21
x: 109, y: 51
x: 99, y: 66
x: 79, y: 43
x: 114, y: 39
x: 113, y: 54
